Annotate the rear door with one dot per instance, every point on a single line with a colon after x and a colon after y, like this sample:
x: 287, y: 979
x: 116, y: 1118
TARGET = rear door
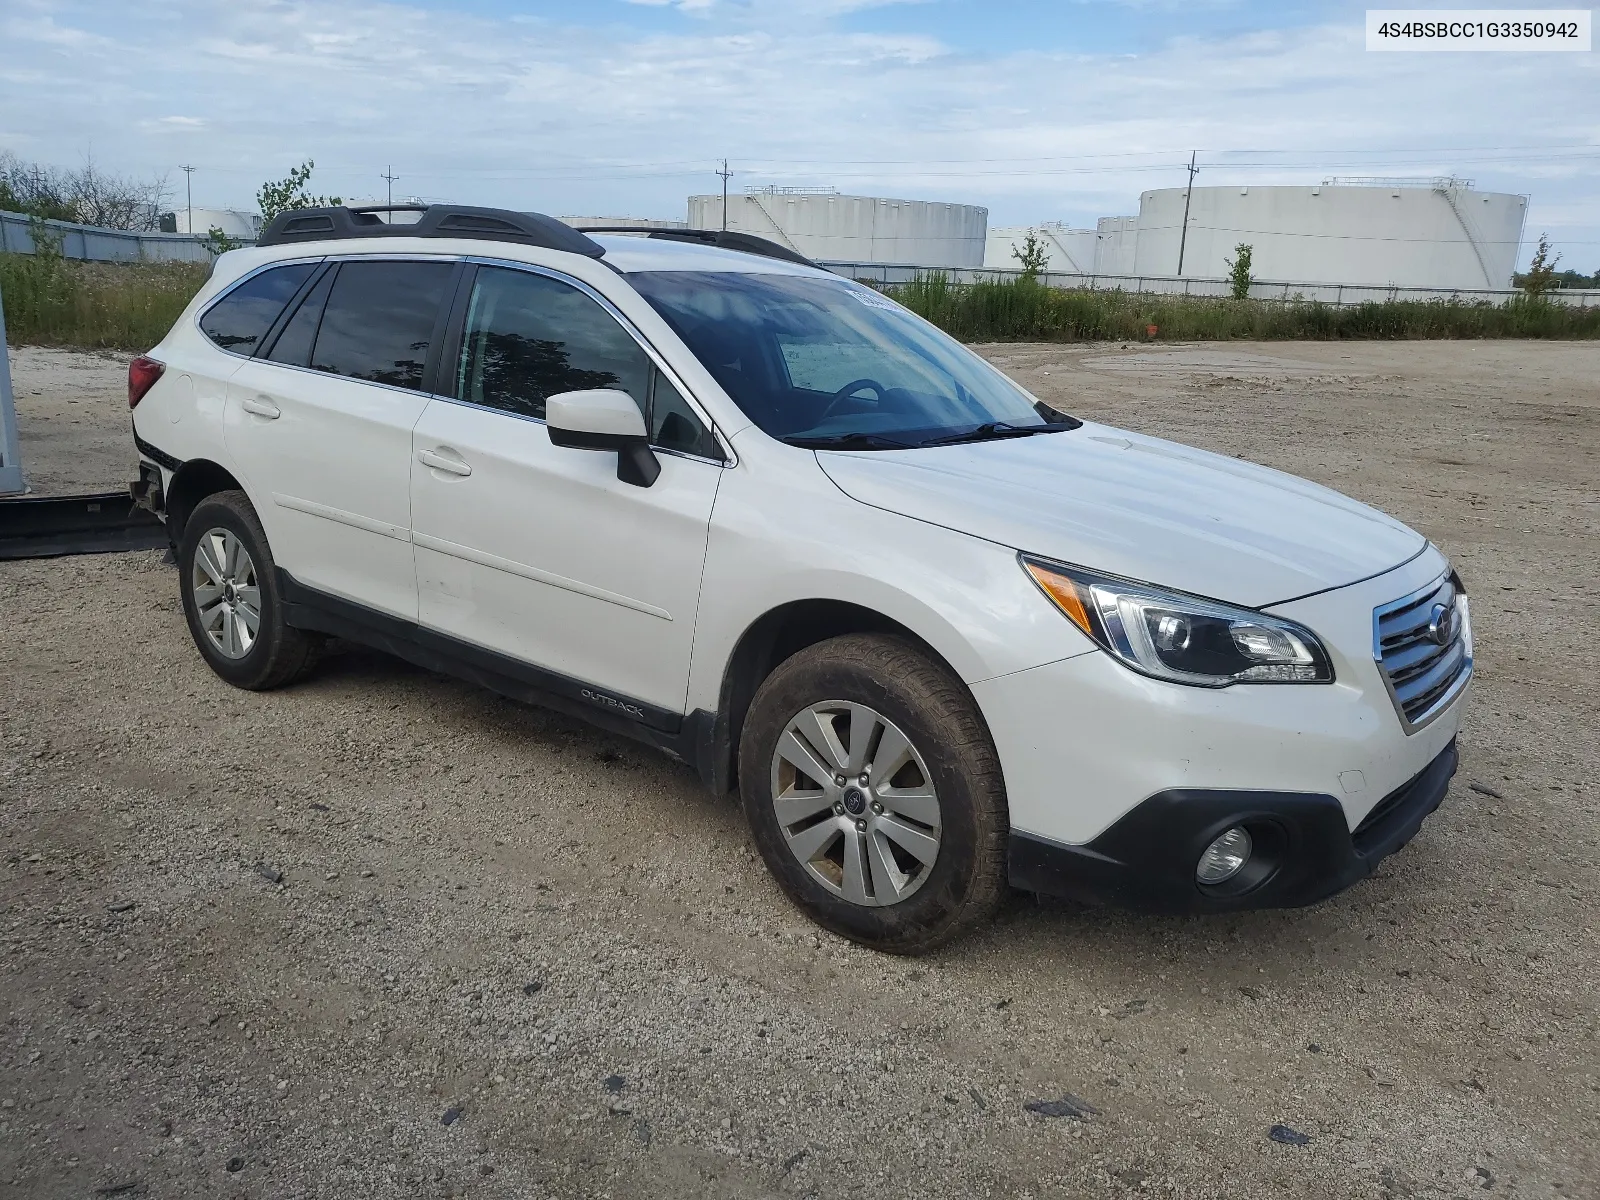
x: 321, y: 426
x: 540, y: 552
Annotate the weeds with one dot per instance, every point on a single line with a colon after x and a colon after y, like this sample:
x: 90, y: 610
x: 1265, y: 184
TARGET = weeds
x: 1022, y: 309
x: 54, y: 301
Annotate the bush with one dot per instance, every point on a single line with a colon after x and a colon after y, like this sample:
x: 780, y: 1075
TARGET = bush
x: 1023, y: 309
x: 54, y: 301
x: 130, y: 306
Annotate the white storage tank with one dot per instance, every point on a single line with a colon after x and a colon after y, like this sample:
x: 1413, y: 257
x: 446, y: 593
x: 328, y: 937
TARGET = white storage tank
x: 1068, y: 250
x: 233, y: 222
x: 1114, y: 245
x: 636, y: 222
x: 1420, y: 233
x: 828, y: 227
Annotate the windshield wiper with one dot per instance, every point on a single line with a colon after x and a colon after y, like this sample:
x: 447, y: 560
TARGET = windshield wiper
x: 849, y: 441
x: 988, y: 431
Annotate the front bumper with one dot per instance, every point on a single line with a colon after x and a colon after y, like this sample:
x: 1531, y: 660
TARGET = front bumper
x: 1304, y: 850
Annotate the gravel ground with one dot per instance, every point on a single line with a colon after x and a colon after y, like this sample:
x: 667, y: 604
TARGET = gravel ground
x: 72, y: 420
x: 384, y: 934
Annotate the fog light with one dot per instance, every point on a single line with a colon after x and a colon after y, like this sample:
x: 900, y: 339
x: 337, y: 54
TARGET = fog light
x: 1225, y: 857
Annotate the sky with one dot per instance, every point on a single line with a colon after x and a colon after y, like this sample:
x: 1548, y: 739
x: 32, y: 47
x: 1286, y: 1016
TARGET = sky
x: 1039, y: 111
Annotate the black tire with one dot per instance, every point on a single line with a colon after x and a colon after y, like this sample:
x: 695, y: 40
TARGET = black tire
x: 279, y: 654
x: 929, y: 703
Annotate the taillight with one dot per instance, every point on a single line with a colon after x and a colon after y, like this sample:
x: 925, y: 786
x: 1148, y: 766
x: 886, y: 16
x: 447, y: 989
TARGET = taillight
x: 142, y: 375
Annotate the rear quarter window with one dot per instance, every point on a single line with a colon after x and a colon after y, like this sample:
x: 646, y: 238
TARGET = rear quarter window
x: 241, y: 318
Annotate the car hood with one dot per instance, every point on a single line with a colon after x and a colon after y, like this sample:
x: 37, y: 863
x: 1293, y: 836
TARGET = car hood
x: 1139, y: 507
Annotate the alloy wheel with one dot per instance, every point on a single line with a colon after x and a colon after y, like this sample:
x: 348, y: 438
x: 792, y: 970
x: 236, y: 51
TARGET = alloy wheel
x: 227, y: 595
x: 856, y: 803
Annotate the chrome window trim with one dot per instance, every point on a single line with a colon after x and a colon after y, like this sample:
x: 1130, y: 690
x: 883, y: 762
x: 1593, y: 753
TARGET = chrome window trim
x: 1453, y: 692
x: 388, y: 387
x: 632, y: 331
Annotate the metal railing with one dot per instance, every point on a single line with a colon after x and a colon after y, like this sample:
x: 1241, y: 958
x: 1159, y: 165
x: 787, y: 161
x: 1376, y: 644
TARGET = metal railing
x: 1262, y: 289
x: 94, y: 244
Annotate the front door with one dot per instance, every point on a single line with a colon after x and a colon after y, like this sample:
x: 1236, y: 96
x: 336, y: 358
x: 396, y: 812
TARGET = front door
x: 321, y: 428
x: 541, y: 553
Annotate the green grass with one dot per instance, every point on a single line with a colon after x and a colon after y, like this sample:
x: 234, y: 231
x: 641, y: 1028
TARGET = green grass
x: 52, y: 301
x: 1021, y: 309
x: 130, y: 306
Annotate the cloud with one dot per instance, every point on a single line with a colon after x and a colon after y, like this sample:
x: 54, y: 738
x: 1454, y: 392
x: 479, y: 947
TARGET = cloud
x: 541, y: 113
x: 174, y: 124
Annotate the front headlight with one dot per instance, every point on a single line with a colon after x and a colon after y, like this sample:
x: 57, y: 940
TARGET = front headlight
x: 1184, y: 639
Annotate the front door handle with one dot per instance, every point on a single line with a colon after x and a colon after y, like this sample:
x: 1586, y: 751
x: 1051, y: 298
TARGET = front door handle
x: 441, y: 462
x: 261, y: 407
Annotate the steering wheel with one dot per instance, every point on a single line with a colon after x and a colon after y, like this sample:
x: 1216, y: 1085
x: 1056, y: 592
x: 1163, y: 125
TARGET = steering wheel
x: 848, y: 390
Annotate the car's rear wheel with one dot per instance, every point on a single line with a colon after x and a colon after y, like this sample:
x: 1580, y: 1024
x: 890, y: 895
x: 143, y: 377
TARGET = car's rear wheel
x: 874, y: 793
x: 231, y: 597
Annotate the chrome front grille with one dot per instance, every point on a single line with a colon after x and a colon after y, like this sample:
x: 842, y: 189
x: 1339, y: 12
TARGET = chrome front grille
x: 1423, y: 644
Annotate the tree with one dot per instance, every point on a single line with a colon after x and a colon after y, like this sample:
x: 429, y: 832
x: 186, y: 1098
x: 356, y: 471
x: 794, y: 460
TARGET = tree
x: 1239, y: 270
x: 218, y: 242
x: 1032, y: 254
x: 1541, y: 274
x: 290, y: 193
x: 87, y: 195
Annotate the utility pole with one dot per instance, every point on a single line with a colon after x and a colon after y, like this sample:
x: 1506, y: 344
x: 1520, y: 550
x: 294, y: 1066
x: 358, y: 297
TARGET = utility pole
x: 388, y: 173
x: 1183, y: 238
x: 188, y: 195
x: 726, y: 175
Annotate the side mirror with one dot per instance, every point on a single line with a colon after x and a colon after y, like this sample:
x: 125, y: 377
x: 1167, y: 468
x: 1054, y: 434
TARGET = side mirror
x: 604, y: 419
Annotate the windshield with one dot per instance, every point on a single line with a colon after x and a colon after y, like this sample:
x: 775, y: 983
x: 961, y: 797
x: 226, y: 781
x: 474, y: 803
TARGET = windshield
x: 831, y: 363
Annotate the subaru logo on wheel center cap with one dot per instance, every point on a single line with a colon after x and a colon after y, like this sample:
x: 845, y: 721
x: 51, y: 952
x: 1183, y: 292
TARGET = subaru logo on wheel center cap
x: 854, y: 801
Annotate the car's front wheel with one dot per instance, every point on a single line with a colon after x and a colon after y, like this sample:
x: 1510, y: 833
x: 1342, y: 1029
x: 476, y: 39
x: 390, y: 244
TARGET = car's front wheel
x: 231, y: 597
x: 874, y: 793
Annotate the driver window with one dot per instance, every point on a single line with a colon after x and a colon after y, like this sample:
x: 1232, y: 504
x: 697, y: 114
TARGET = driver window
x: 529, y: 337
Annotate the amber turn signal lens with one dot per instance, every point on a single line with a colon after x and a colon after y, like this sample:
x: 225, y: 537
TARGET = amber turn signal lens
x: 1064, y: 592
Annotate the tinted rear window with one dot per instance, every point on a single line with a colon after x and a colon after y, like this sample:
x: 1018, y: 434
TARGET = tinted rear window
x: 241, y: 319
x: 379, y: 320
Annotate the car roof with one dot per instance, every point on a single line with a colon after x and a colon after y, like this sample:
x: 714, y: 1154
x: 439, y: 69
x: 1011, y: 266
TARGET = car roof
x: 630, y: 253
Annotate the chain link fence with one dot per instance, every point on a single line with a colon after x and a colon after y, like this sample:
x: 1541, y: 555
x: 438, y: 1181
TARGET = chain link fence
x: 1262, y: 289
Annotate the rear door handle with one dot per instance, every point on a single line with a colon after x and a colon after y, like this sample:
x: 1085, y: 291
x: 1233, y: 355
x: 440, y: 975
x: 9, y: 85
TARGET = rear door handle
x: 261, y: 407
x: 440, y: 462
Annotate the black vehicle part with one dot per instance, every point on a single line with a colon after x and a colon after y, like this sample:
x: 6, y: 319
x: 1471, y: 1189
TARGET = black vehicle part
x: 100, y: 523
x: 727, y: 239
x: 1304, y: 850
x: 438, y: 221
x: 636, y: 462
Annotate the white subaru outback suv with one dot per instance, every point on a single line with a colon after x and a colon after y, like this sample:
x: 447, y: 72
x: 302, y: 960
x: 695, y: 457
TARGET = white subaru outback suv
x: 939, y: 636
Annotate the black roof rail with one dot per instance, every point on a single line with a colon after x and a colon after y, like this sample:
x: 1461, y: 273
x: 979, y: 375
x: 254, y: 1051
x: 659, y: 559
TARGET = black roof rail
x: 437, y: 221
x: 728, y: 239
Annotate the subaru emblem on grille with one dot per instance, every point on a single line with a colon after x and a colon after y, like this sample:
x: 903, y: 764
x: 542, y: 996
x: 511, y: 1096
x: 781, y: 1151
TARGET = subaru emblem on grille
x: 1440, y: 621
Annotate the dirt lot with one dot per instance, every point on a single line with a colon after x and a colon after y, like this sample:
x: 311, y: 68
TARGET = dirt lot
x: 72, y: 420
x: 509, y: 956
